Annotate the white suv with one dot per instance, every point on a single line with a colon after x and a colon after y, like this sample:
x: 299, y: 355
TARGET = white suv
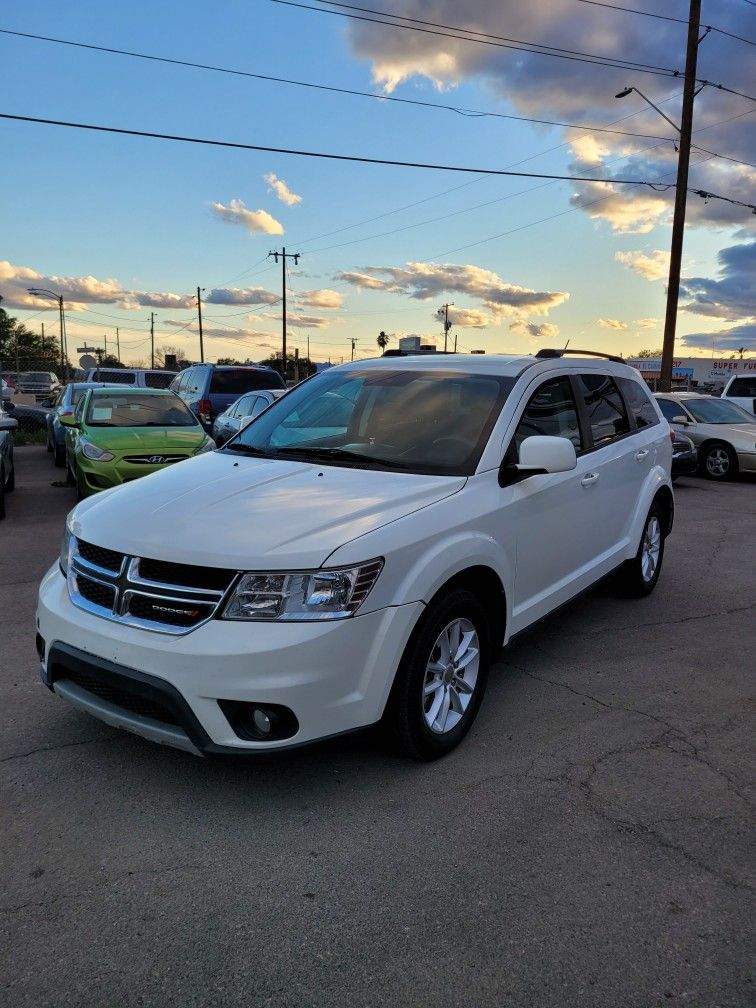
x: 359, y: 553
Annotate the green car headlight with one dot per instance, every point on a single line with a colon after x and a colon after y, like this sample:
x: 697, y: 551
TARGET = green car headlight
x: 95, y: 454
x: 303, y: 595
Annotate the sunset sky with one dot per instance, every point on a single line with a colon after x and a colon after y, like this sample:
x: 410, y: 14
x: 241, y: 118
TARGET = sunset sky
x: 123, y: 226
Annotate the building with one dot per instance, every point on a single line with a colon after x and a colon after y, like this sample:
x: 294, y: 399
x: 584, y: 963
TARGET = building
x: 692, y: 372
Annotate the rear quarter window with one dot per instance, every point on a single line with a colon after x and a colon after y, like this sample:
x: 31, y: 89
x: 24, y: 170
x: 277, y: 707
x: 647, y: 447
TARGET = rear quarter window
x: 639, y: 402
x: 605, y: 408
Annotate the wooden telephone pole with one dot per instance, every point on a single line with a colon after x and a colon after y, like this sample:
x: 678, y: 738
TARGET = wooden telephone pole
x: 284, y: 256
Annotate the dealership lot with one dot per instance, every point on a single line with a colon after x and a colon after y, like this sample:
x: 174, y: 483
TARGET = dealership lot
x: 589, y: 844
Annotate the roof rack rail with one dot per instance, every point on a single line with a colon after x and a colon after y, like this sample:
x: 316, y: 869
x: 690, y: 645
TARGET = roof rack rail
x: 418, y: 353
x: 550, y: 353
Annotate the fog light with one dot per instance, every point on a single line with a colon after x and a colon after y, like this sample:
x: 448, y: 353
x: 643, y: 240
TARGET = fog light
x: 261, y: 721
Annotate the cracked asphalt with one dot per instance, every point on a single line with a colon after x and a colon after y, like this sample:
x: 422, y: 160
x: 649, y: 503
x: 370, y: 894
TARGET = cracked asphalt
x: 590, y: 844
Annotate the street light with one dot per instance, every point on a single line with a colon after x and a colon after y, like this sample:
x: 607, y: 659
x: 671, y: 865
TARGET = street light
x: 629, y: 90
x: 41, y: 292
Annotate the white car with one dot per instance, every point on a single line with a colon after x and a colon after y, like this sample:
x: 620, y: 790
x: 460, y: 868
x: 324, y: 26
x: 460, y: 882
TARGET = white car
x: 308, y: 580
x: 741, y: 389
x: 723, y: 432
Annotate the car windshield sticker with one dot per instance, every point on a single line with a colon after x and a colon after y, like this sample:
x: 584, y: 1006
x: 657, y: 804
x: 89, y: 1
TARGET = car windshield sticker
x: 102, y: 413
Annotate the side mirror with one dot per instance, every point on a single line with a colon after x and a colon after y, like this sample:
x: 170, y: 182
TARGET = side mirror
x: 680, y: 419
x: 67, y: 419
x: 245, y: 422
x: 540, y: 455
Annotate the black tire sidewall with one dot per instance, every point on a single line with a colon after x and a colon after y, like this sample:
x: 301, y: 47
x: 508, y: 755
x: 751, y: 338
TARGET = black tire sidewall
x: 405, y: 709
x: 732, y: 469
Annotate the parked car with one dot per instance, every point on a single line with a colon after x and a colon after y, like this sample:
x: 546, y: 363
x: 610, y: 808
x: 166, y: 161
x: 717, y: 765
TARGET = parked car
x: 38, y: 383
x: 64, y: 403
x: 294, y: 586
x: 723, y: 433
x: 7, y: 469
x: 7, y: 391
x: 741, y: 389
x: 30, y: 419
x: 229, y: 422
x: 138, y: 377
x: 10, y: 378
x: 684, y: 455
x: 119, y: 434
x: 209, y: 389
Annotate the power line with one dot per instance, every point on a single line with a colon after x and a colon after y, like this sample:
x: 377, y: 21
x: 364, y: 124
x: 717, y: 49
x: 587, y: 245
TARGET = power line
x: 470, y: 113
x: 595, y: 60
x: 664, y: 17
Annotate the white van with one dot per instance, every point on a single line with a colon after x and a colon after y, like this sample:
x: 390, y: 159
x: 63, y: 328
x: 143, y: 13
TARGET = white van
x: 359, y: 553
x: 741, y: 389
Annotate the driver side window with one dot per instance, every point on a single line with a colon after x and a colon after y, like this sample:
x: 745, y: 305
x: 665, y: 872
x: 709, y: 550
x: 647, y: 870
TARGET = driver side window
x: 552, y: 412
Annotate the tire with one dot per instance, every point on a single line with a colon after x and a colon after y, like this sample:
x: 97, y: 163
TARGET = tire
x: 59, y: 455
x: 638, y: 577
x: 48, y: 443
x: 10, y: 485
x: 719, y: 462
x: 410, y: 710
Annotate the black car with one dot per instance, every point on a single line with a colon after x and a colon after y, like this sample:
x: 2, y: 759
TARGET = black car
x: 31, y: 419
x: 684, y: 455
x: 209, y: 389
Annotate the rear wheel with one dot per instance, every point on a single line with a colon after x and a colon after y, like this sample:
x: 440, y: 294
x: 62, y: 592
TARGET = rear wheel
x: 441, y: 679
x: 719, y: 462
x: 638, y: 576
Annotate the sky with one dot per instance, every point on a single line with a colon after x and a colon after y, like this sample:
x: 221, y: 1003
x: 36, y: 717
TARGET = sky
x: 125, y: 226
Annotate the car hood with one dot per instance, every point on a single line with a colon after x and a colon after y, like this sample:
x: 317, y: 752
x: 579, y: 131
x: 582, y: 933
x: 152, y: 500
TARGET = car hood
x: 148, y: 439
x: 224, y: 510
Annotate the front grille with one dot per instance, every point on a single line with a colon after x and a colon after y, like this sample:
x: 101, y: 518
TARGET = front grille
x: 100, y: 557
x: 120, y: 697
x: 93, y: 591
x: 165, y: 610
x: 186, y: 575
x: 154, y: 459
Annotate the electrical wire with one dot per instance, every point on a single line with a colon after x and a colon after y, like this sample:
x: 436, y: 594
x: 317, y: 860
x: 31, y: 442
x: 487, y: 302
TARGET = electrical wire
x: 664, y: 17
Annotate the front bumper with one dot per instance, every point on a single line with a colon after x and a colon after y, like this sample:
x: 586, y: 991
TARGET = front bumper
x: 103, y: 475
x: 335, y: 676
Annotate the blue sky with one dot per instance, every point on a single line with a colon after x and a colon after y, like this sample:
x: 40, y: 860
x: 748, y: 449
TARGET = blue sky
x: 139, y: 212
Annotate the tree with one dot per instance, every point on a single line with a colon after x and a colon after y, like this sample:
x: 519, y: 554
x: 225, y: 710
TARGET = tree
x: 21, y: 349
x: 306, y: 367
x: 649, y: 354
x: 382, y: 340
x: 229, y: 360
x: 165, y: 349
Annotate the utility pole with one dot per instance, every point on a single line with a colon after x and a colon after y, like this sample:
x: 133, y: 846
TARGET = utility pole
x: 118, y: 346
x: 44, y: 350
x: 309, y: 362
x: 106, y: 344
x: 152, y: 338
x: 447, y: 325
x: 353, y: 341
x: 296, y: 365
x: 681, y: 192
x: 199, y: 316
x: 284, y: 256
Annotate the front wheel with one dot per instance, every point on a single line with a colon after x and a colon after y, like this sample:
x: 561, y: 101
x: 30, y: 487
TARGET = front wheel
x: 441, y: 679
x: 638, y: 576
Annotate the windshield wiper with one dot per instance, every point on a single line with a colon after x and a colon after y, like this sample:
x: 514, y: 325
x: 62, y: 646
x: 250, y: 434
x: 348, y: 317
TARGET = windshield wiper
x: 340, y: 454
x: 250, y: 450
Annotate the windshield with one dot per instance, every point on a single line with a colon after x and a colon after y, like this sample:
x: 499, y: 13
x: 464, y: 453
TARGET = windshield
x: 135, y: 410
x: 718, y: 411
x: 419, y: 421
x: 38, y: 376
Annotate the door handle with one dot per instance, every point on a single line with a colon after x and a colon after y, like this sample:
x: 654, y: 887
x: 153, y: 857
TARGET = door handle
x: 590, y: 479
x: 641, y: 454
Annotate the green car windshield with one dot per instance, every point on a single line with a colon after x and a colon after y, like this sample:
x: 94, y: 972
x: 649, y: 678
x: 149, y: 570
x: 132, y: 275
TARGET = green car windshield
x: 138, y: 410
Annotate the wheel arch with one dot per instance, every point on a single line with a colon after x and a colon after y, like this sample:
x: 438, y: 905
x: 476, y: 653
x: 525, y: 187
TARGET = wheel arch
x: 666, y: 501
x: 483, y: 582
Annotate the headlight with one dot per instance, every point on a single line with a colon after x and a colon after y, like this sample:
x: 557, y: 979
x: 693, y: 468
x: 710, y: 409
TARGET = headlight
x: 309, y: 595
x: 65, y: 549
x: 206, y: 446
x: 91, y: 451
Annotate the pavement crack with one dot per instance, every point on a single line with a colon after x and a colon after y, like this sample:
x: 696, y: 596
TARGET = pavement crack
x: 55, y: 748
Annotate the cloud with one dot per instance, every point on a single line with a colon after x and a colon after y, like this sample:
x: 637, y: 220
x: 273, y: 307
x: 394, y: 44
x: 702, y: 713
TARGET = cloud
x: 724, y: 339
x: 651, y: 266
x: 255, y: 221
x: 147, y: 300
x: 423, y: 281
x: 646, y: 323
x: 241, y: 296
x: 305, y: 321
x: 612, y: 323
x: 468, y: 318
x: 264, y: 340
x: 281, y: 190
x: 733, y: 295
x: 544, y: 331
x: 324, y: 298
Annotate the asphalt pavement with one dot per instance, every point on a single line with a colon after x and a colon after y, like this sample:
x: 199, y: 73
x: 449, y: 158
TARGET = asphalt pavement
x: 590, y: 844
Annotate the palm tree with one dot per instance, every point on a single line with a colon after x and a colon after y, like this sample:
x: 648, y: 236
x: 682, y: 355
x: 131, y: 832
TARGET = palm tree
x: 382, y: 340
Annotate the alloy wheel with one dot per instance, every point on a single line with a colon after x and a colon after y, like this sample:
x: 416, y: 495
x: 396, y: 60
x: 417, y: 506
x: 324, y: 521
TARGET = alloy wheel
x: 718, y: 462
x: 451, y: 676
x: 651, y: 549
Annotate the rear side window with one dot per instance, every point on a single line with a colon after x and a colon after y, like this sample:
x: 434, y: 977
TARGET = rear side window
x: 640, y: 403
x: 606, y: 411
x: 122, y: 377
x: 743, y: 387
x: 238, y: 380
x: 551, y: 411
x: 158, y: 379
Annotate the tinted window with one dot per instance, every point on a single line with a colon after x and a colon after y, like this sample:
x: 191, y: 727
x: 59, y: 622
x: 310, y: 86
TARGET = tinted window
x: 245, y: 405
x: 158, y: 379
x: 640, y: 402
x: 606, y: 411
x: 138, y: 410
x: 671, y: 409
x: 551, y: 412
x: 237, y: 380
x: 718, y: 411
x: 742, y: 387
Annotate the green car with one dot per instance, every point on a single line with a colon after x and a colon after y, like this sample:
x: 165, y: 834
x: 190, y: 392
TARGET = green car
x: 119, y: 434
